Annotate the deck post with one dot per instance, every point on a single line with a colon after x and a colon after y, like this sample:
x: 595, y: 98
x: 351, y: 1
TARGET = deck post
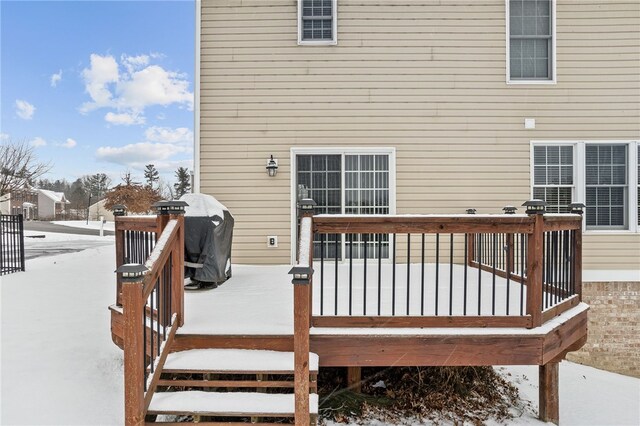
x: 535, y: 254
x: 577, y: 208
x: 549, y: 407
x: 177, y: 271
x: 354, y: 379
x: 119, y: 258
x: 133, y: 310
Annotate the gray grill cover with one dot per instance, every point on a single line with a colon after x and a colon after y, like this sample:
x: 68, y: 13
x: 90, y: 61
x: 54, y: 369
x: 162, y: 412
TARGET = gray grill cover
x: 208, y: 236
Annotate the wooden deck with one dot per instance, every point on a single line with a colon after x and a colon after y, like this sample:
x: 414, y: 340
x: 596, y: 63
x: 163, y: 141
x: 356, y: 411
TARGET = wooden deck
x: 503, y: 290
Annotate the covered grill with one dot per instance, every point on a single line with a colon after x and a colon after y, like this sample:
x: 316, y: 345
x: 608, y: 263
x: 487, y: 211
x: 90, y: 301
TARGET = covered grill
x: 207, y: 240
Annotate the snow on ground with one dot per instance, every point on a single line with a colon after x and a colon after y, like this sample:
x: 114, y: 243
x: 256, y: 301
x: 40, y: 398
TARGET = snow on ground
x: 93, y: 224
x: 59, y: 366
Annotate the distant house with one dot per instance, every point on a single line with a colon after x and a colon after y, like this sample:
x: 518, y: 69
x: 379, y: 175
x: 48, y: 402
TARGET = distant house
x: 51, y: 205
x: 23, y: 201
x: 98, y: 209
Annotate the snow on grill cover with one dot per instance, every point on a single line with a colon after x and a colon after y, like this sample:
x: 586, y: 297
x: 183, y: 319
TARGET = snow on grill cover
x: 207, y: 239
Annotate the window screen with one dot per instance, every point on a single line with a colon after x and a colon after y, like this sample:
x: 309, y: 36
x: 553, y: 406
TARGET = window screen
x: 530, y: 39
x: 317, y: 20
x: 553, y: 176
x: 606, y: 186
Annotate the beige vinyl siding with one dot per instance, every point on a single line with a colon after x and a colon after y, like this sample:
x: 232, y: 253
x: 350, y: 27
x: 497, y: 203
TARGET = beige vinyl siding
x: 425, y: 77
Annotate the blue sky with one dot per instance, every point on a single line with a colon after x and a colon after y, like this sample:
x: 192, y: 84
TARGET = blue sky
x: 99, y: 86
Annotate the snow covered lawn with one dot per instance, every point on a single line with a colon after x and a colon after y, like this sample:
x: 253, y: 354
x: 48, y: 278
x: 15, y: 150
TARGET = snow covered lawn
x: 59, y: 366
x: 93, y: 224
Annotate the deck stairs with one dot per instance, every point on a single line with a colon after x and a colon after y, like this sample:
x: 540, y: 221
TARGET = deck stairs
x: 226, y: 386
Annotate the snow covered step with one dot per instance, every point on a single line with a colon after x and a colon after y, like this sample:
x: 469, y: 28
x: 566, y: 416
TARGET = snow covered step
x: 234, y: 361
x: 227, y: 404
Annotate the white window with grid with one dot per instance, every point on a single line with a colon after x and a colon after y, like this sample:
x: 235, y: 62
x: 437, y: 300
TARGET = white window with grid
x: 604, y: 175
x: 347, y: 181
x: 317, y: 22
x: 530, y: 41
x: 553, y: 176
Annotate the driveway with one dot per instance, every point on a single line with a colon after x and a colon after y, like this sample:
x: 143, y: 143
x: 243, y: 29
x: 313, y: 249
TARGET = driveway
x: 52, y: 227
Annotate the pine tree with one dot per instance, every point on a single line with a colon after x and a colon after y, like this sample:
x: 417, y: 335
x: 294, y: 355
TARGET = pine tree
x: 151, y: 175
x: 183, y: 185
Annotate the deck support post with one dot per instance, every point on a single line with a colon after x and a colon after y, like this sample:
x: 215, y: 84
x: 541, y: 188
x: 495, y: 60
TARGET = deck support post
x: 177, y: 271
x: 549, y: 406
x: 354, y: 379
x: 133, y: 310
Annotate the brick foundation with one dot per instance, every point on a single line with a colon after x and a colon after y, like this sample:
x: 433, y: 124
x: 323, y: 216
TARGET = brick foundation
x: 614, y: 327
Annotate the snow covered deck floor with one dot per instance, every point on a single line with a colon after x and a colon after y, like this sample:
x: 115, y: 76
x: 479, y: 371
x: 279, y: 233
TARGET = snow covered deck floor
x: 254, y: 310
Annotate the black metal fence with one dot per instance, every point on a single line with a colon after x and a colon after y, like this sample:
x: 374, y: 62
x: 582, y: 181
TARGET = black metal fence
x: 11, y: 243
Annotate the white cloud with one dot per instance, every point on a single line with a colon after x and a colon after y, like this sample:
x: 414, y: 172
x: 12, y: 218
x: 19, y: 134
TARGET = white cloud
x: 180, y: 135
x: 138, y: 153
x: 97, y: 78
x: 24, y: 109
x: 37, y: 142
x: 55, y: 78
x: 4, y: 136
x: 154, y: 85
x: 69, y: 143
x: 124, y: 119
x: 133, y: 63
x: 139, y: 86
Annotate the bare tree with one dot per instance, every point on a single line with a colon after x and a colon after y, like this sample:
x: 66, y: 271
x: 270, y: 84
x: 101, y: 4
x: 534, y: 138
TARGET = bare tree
x: 19, y: 166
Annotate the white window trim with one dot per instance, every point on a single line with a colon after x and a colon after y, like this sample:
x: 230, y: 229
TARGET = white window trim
x: 334, y: 24
x: 553, y: 79
x: 579, y: 179
x: 295, y: 151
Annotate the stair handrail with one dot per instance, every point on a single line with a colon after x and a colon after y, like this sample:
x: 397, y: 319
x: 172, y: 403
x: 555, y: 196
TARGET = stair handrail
x: 302, y: 279
x: 153, y: 310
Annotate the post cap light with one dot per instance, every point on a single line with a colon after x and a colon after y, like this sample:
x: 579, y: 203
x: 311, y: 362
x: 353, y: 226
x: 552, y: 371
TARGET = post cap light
x: 301, y: 274
x: 577, y: 208
x: 272, y: 167
x: 471, y: 211
x: 535, y: 206
x: 509, y: 209
x: 131, y: 271
x: 307, y: 204
x: 119, y: 210
x: 170, y: 207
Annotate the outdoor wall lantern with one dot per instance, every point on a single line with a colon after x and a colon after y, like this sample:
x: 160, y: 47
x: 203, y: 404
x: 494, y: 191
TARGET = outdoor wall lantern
x: 170, y: 207
x: 272, y: 167
x: 119, y: 210
x: 535, y: 207
x: 131, y: 271
x: 509, y: 209
x: 577, y: 208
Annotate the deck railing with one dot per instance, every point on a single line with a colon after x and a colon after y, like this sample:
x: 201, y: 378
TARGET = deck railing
x: 135, y: 238
x: 152, y: 304
x: 11, y: 243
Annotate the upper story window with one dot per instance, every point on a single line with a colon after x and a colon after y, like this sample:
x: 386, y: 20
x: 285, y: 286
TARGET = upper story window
x: 317, y: 22
x: 531, y: 44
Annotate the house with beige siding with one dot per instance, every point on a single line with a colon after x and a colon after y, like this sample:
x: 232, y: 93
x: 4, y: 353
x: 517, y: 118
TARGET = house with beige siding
x: 421, y: 106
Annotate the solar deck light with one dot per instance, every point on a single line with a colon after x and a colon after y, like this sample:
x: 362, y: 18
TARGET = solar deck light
x: 131, y: 271
x: 509, y: 209
x: 170, y: 207
x: 471, y: 211
x: 577, y: 208
x: 272, y: 167
x: 535, y: 206
x: 301, y: 274
x: 307, y: 205
x: 119, y: 210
